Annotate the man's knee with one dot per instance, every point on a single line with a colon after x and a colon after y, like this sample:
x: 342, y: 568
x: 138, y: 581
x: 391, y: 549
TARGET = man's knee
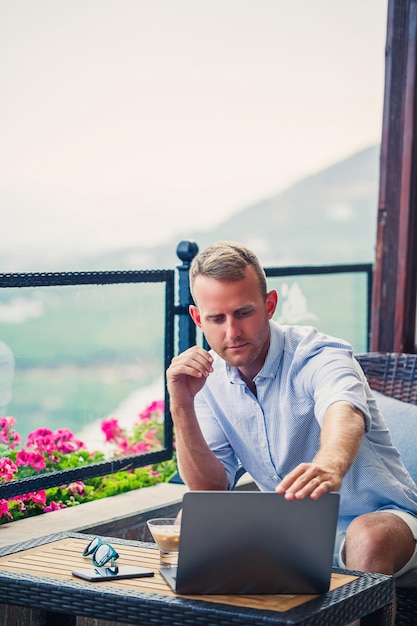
x: 365, y: 533
x: 378, y: 542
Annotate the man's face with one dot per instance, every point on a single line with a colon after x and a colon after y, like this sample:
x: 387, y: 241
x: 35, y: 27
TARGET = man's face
x: 234, y: 319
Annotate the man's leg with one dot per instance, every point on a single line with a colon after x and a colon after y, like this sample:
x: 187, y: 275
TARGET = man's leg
x: 379, y: 542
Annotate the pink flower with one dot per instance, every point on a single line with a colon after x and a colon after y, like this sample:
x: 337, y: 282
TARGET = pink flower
x: 37, y: 461
x: 155, y: 407
x: 39, y: 433
x: 63, y: 433
x: 77, y: 488
x: 7, y: 469
x: 152, y: 434
x: 32, y: 459
x: 7, y: 435
x: 14, y: 440
x: 112, y: 430
x: 41, y: 440
x: 66, y: 446
x: 61, y: 440
x: 4, y: 509
x: 128, y: 447
x: 23, y: 458
x: 20, y: 501
x: 38, y: 497
x: 54, y: 506
x: 7, y: 422
x: 65, y: 442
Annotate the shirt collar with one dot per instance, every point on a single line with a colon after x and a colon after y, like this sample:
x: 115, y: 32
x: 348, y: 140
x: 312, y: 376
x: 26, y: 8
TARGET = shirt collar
x: 272, y: 361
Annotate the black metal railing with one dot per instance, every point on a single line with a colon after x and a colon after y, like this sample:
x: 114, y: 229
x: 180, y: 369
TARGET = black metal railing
x: 54, y: 279
x: 186, y: 252
x: 321, y: 270
x: 185, y: 336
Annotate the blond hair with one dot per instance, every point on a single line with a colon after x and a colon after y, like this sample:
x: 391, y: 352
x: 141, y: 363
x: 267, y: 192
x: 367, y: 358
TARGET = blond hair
x: 226, y: 261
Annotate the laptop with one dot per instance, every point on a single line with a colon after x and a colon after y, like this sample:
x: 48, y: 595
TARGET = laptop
x: 253, y: 542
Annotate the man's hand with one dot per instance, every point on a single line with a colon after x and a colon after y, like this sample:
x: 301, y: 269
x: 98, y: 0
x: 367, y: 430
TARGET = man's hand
x: 187, y: 375
x: 198, y: 465
x: 309, y: 479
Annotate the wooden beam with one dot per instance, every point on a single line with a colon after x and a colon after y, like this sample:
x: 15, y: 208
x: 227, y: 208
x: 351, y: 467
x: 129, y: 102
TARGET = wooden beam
x: 395, y: 285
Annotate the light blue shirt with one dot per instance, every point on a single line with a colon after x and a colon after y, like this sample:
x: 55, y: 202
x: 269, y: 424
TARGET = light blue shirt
x: 304, y: 373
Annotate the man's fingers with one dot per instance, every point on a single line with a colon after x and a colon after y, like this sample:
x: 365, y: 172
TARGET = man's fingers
x: 307, y: 480
x: 192, y: 363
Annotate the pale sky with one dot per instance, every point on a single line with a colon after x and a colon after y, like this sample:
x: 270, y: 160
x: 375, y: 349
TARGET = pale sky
x: 125, y: 122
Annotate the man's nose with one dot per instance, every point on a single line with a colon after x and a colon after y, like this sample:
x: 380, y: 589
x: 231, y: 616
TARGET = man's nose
x: 232, y: 328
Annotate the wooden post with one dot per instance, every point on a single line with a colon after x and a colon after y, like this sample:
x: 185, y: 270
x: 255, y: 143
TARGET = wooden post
x: 395, y: 285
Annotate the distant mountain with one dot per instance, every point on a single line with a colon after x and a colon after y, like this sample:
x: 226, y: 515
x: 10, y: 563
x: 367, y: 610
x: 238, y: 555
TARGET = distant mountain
x: 329, y: 217
x: 326, y: 218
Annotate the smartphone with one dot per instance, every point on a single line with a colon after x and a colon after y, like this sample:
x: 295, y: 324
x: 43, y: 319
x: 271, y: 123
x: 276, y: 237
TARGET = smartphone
x: 107, y: 573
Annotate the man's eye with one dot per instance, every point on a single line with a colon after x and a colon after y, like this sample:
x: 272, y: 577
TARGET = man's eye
x: 244, y: 313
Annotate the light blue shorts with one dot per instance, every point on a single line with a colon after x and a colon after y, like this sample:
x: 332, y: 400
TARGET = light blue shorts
x: 411, y: 522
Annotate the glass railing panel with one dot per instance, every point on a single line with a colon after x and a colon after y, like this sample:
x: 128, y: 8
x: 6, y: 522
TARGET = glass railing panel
x: 336, y: 304
x: 86, y: 353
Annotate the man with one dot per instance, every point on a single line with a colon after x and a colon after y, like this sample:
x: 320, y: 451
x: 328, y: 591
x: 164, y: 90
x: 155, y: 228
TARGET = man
x: 293, y: 406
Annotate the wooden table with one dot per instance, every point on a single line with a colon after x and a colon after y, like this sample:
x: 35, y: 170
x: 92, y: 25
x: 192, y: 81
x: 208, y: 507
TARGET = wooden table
x: 38, y: 575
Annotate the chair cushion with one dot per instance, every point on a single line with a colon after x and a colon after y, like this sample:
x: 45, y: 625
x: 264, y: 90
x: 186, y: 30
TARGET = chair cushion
x: 401, y: 420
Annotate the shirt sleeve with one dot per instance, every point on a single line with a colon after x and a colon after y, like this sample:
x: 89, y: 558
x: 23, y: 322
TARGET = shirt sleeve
x: 214, y: 434
x: 334, y: 375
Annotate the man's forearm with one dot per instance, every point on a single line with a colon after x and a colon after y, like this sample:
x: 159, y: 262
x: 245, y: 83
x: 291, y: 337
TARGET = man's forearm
x: 199, y: 467
x: 341, y: 436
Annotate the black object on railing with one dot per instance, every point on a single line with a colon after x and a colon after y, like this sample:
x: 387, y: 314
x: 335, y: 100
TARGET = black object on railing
x: 186, y: 251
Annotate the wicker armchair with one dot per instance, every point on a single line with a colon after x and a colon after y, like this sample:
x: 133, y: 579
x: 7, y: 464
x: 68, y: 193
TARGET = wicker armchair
x: 395, y: 375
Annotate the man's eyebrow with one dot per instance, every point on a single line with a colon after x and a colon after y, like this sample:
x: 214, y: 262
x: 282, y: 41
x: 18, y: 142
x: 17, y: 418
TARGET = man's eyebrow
x: 243, y: 307
x: 209, y: 315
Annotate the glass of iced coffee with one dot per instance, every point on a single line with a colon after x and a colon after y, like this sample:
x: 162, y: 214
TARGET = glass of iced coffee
x: 166, y: 534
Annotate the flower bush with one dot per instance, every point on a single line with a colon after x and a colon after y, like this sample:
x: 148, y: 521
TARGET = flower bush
x: 46, y: 450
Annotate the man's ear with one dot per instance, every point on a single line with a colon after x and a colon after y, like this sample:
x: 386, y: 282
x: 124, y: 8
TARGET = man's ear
x: 271, y: 302
x: 195, y: 315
